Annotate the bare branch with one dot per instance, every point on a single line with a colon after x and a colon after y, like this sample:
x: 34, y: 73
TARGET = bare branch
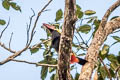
x: 27, y: 46
x: 5, y: 28
x: 37, y: 21
x: 37, y: 45
x: 107, y: 70
x: 101, y: 34
x: 37, y: 64
x: 116, y: 72
x: 82, y: 38
x: 8, y: 49
x: 28, y: 26
x: 10, y: 40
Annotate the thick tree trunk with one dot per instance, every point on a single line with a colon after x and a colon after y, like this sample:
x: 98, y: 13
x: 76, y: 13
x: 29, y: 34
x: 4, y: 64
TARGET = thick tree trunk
x: 103, y: 31
x: 66, y: 40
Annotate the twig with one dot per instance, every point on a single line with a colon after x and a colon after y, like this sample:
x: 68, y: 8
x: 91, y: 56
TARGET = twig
x: 81, y: 38
x: 37, y: 64
x: 10, y: 40
x: 27, y: 46
x: 37, y: 45
x: 8, y: 49
x: 5, y: 28
x: 116, y: 72
x: 79, y: 45
x: 28, y: 26
x: 37, y: 20
x: 105, y: 68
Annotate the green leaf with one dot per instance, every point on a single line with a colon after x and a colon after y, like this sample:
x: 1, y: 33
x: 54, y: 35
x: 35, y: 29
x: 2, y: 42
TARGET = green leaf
x: 114, y: 17
x: 112, y: 58
x: 105, y: 49
x: 77, y: 76
x: 34, y: 50
x: 116, y: 38
x: 78, y: 7
x: 112, y: 73
x: 113, y: 66
x: 81, y: 54
x: 6, y: 4
x: 89, y: 12
x: 14, y: 6
x: 103, y: 72
x: 43, y: 61
x: 79, y: 14
x: 51, y: 69
x: 2, y: 22
x: 59, y: 15
x: 96, y: 23
x: 44, y: 71
x: 85, y: 28
x: 52, y: 77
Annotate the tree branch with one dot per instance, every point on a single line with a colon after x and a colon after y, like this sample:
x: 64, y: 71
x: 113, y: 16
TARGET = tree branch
x: 66, y: 40
x: 37, y: 64
x: 101, y: 34
x: 8, y: 49
x: 5, y: 28
x: 107, y: 70
x: 27, y: 46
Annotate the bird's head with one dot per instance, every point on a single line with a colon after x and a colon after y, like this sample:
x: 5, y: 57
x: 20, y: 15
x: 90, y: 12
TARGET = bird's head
x: 51, y: 27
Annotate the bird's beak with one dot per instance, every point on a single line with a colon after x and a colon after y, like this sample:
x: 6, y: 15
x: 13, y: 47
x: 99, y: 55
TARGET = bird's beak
x: 50, y: 27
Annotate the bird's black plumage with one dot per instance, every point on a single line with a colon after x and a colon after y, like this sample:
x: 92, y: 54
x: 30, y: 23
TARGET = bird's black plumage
x: 55, y: 40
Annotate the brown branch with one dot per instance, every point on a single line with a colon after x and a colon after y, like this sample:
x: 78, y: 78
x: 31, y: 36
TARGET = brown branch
x: 37, y: 64
x: 8, y: 49
x: 27, y: 46
x: 28, y: 26
x: 10, y: 40
x: 5, y: 28
x: 32, y: 33
x: 66, y: 40
x: 116, y: 72
x: 37, y: 45
x: 101, y: 34
x: 109, y: 75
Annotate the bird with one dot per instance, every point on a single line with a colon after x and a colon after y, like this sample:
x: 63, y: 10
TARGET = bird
x: 55, y: 44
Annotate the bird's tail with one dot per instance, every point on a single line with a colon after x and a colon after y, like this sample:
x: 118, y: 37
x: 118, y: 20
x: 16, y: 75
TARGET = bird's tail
x: 78, y: 60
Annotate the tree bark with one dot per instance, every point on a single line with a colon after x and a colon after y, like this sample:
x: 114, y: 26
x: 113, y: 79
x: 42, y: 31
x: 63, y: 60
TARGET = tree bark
x: 101, y: 34
x: 66, y: 40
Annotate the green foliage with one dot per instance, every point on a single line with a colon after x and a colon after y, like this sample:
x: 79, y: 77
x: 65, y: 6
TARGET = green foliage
x: 7, y: 3
x: 89, y: 12
x: 114, y: 17
x: 102, y: 72
x: 34, y: 50
x: 116, y: 38
x: 59, y: 15
x: 77, y: 76
x: 105, y: 49
x: 44, y: 71
x: 2, y: 22
x: 85, y: 28
x: 15, y: 6
x: 79, y: 13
